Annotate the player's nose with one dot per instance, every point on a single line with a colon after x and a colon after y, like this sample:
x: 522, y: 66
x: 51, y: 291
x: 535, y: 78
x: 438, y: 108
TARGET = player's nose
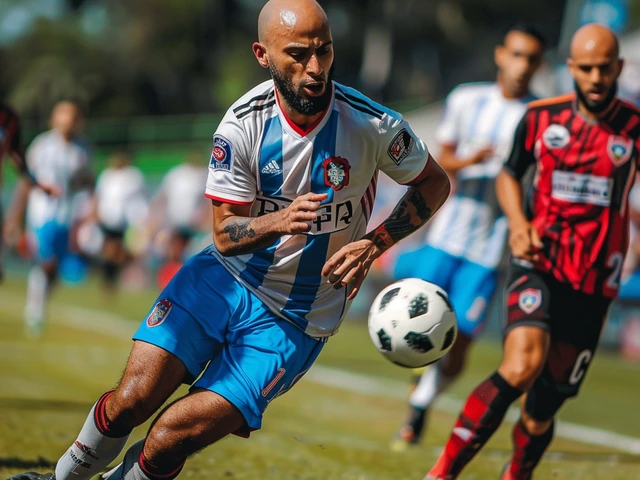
x: 313, y: 66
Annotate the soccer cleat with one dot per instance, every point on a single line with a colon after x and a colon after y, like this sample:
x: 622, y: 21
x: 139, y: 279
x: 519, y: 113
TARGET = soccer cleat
x: 411, y: 432
x: 404, y: 439
x: 33, y: 476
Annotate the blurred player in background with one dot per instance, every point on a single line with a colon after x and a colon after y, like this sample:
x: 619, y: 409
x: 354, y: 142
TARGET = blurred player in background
x: 58, y: 158
x: 465, y: 242
x: 568, y: 246
x: 10, y: 147
x: 290, y: 178
x: 179, y: 212
x: 120, y: 202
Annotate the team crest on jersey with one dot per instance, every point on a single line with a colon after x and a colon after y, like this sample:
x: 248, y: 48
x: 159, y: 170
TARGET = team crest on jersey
x: 530, y: 300
x: 221, y: 155
x: 556, y: 136
x: 336, y: 172
x: 619, y: 149
x: 159, y: 313
x: 401, y: 146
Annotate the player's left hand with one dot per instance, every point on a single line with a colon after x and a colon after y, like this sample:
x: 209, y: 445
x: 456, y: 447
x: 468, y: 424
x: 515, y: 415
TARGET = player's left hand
x: 350, y: 265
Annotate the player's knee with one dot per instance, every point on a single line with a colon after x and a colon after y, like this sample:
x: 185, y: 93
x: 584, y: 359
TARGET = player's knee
x: 169, y: 437
x: 130, y: 407
x: 521, y: 374
x: 534, y: 426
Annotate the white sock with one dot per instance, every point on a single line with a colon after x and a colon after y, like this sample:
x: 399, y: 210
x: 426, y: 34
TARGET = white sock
x: 432, y: 383
x: 37, y: 289
x: 130, y: 468
x: 90, y: 453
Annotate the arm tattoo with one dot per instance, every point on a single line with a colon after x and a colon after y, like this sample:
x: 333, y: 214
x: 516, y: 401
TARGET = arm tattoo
x: 239, y: 229
x: 411, y: 213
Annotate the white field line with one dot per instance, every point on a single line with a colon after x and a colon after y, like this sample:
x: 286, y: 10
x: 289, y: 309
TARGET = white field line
x: 355, y: 382
x: 113, y: 325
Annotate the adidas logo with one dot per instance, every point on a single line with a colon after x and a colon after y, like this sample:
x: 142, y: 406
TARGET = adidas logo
x: 271, y: 168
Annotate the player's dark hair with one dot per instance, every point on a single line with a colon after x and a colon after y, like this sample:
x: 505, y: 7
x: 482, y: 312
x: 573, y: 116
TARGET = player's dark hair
x: 529, y: 29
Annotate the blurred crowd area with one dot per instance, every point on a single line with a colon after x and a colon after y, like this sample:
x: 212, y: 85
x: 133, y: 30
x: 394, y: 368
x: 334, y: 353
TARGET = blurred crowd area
x: 152, y: 79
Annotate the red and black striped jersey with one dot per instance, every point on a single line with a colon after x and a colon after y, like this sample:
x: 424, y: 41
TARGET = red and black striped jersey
x: 9, y: 130
x: 578, y: 199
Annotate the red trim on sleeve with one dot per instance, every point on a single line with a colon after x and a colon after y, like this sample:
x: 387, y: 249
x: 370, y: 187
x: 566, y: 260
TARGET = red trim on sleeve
x: 226, y: 200
x: 422, y: 175
x: 296, y: 128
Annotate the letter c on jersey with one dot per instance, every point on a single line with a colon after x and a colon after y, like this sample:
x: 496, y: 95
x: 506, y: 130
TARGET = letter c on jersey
x: 580, y: 367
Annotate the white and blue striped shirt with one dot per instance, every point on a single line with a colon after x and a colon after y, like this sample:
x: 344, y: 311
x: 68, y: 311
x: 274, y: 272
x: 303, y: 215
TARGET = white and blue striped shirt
x: 54, y: 161
x: 263, y: 159
x: 471, y: 224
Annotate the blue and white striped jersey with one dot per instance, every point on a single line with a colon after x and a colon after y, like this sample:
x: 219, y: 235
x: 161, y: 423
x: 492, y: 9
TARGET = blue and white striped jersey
x: 471, y: 224
x: 261, y: 158
x: 54, y: 161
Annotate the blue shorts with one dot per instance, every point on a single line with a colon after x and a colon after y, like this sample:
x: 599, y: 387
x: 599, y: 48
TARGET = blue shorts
x: 204, y: 314
x: 52, y: 241
x: 470, y: 286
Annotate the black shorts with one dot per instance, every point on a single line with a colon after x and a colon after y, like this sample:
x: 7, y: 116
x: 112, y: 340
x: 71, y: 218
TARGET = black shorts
x: 574, y: 320
x: 112, y: 233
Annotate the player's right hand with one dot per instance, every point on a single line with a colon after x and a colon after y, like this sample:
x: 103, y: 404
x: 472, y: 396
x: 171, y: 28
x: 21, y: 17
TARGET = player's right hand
x: 296, y: 217
x: 524, y: 241
x: 481, y: 154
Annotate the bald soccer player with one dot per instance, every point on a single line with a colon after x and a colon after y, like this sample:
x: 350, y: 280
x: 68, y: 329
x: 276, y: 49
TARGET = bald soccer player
x: 568, y: 245
x: 292, y: 180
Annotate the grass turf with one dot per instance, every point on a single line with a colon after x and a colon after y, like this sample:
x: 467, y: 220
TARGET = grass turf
x: 313, y: 432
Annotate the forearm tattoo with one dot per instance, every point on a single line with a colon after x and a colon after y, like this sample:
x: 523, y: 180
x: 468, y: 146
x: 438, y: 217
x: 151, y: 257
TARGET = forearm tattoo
x: 239, y: 229
x: 411, y: 213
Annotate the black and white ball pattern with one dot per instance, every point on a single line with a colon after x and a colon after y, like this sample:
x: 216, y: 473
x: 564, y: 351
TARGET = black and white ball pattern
x: 412, y: 323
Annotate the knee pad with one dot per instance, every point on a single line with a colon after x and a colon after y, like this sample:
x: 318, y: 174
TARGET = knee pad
x: 543, y: 400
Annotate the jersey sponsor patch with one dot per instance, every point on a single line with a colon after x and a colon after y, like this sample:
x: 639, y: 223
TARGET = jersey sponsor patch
x: 581, y: 188
x: 401, y: 146
x: 222, y: 154
x: 556, y: 136
x: 619, y: 149
x: 530, y: 300
x: 336, y: 172
x: 159, y: 313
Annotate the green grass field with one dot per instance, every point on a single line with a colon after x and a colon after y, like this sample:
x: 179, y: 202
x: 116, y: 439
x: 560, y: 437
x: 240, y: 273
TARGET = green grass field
x: 336, y: 424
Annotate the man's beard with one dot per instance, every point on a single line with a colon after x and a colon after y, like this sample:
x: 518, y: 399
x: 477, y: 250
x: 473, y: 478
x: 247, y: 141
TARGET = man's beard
x: 597, y: 107
x: 304, y: 106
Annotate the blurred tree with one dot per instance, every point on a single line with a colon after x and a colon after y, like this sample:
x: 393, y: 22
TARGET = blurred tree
x: 132, y: 57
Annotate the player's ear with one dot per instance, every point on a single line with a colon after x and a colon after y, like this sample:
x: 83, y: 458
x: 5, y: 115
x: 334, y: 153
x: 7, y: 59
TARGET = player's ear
x: 260, y: 51
x: 571, y: 65
x: 620, y: 66
x: 498, y: 54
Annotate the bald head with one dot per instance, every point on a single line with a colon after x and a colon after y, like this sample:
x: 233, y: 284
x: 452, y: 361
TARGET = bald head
x: 280, y: 16
x: 595, y: 66
x: 594, y: 38
x: 295, y: 44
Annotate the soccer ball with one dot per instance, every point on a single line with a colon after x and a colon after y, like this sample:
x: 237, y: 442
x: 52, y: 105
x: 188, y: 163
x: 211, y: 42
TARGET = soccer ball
x: 412, y: 323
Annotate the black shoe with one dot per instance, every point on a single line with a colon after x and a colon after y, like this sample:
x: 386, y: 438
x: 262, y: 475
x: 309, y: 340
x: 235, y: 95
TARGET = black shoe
x: 411, y: 431
x: 33, y: 476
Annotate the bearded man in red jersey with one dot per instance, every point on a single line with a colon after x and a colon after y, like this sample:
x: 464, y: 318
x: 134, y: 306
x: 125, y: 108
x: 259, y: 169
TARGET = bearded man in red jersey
x: 568, y: 244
